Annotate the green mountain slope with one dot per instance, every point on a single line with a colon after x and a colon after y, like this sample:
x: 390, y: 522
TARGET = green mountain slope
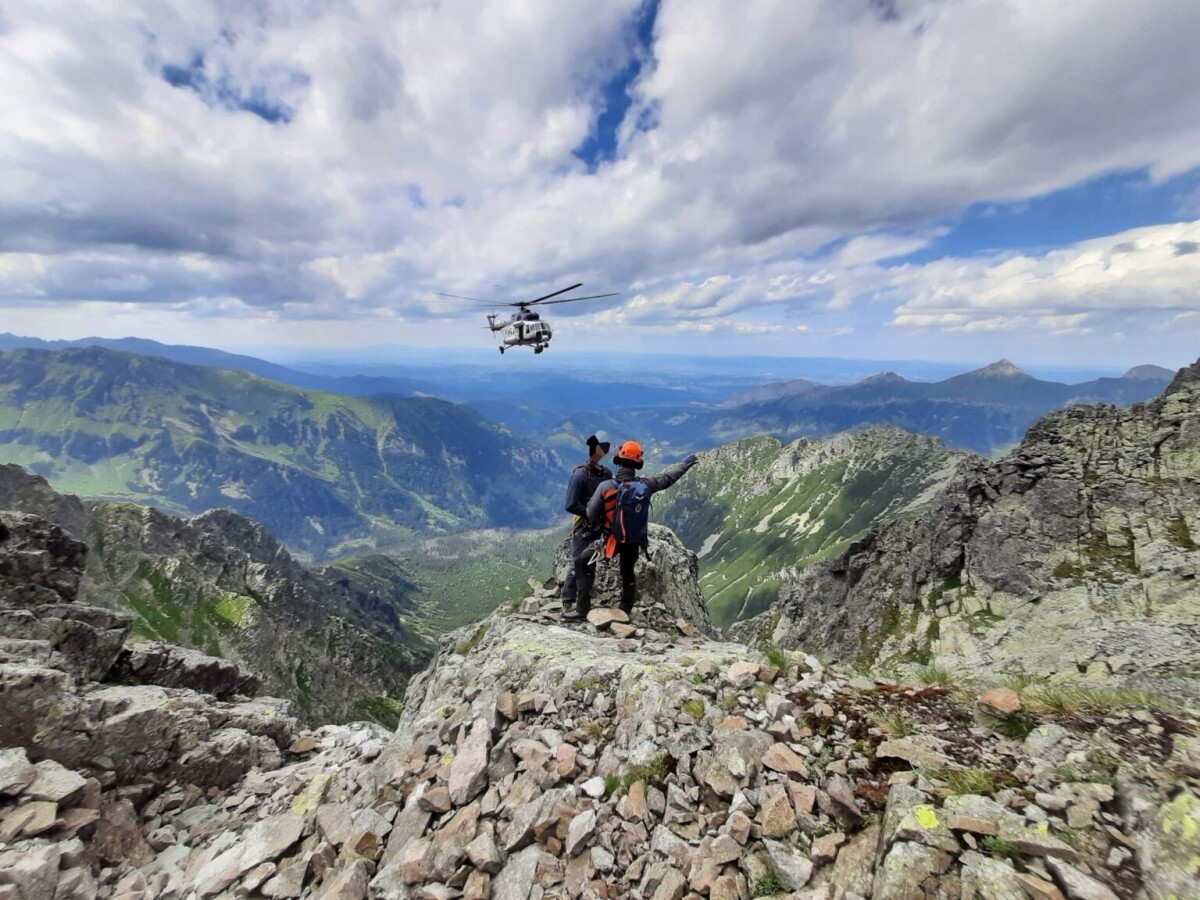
x: 326, y: 473
x: 458, y: 579
x: 756, y: 510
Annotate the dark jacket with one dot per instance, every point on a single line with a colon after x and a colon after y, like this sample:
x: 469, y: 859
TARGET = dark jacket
x: 660, y: 481
x: 585, y: 479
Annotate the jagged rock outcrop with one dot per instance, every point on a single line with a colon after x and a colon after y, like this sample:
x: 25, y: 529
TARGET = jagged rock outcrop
x: 58, y: 668
x: 1071, y: 558
x: 221, y: 584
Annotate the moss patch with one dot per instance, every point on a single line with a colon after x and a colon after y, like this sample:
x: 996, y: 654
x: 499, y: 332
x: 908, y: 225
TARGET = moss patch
x: 376, y: 708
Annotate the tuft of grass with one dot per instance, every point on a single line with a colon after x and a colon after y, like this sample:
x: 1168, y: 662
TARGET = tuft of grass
x: 652, y: 773
x: 934, y: 674
x: 462, y: 648
x: 697, y: 679
x: 822, y: 761
x: 694, y: 708
x: 1066, y: 699
x: 612, y: 784
x: 377, y: 708
x: 975, y: 780
x: 1179, y: 534
x: 728, y: 703
x: 586, y: 683
x: 1016, y: 725
x: 1068, y: 570
x: 1020, y: 682
x: 778, y: 657
x: 1071, y: 838
x: 767, y: 885
x: 892, y: 722
x: 998, y: 846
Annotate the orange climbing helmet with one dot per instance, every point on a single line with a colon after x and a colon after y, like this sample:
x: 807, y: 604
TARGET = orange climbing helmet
x: 630, y: 455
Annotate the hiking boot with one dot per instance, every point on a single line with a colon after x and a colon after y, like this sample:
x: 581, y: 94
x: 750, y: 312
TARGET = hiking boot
x: 583, y: 596
x: 628, y: 598
x: 571, y: 611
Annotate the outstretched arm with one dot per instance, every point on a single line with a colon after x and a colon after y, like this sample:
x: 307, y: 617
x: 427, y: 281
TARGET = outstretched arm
x: 660, y: 481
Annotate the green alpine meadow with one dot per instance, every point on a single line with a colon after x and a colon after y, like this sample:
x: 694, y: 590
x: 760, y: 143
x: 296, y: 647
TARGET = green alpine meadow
x: 758, y: 511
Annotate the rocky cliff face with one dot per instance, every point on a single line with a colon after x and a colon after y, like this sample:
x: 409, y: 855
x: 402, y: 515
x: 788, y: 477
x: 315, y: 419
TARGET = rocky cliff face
x: 72, y: 692
x: 1073, y: 558
x: 221, y: 584
x: 538, y: 760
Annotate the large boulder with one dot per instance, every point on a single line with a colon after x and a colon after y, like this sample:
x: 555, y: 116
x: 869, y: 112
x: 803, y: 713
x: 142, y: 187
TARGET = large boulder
x: 668, y: 578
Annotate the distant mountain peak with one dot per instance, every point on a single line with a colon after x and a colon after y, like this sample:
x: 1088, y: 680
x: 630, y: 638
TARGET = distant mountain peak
x: 884, y: 378
x: 1149, y: 373
x: 1004, y: 368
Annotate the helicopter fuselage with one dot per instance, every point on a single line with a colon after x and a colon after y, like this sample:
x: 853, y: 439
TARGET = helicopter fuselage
x: 524, y: 329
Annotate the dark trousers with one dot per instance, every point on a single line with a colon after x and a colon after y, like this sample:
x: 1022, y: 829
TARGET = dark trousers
x: 627, y: 555
x: 579, y: 540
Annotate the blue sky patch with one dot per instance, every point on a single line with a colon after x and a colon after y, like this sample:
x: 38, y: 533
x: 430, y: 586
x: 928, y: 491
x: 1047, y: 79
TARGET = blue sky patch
x: 225, y: 94
x: 1101, y: 206
x: 600, y: 146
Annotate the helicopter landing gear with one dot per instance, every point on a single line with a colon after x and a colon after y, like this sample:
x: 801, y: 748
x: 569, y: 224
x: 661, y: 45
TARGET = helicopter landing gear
x: 539, y: 348
x: 501, y: 349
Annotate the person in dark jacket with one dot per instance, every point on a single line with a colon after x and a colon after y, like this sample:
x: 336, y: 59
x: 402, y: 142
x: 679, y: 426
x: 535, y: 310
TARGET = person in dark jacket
x: 600, y: 512
x: 584, y: 481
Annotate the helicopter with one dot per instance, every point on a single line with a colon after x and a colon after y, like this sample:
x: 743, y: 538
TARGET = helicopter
x: 526, y: 328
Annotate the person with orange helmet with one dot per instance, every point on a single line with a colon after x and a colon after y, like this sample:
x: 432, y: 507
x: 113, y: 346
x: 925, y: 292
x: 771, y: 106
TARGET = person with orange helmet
x: 621, y: 507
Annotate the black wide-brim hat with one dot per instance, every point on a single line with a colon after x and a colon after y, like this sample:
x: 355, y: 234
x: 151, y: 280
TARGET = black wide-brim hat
x: 594, y: 441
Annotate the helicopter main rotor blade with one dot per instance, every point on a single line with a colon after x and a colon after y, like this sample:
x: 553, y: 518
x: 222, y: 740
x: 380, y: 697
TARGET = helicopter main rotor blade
x: 573, y: 299
x: 473, y: 299
x: 548, y: 296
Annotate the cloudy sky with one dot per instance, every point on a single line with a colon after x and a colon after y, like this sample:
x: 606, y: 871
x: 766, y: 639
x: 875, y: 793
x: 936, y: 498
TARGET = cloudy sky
x: 934, y: 179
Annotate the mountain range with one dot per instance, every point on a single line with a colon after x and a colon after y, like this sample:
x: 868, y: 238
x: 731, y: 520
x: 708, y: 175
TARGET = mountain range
x: 326, y: 473
x: 987, y: 410
x: 678, y: 408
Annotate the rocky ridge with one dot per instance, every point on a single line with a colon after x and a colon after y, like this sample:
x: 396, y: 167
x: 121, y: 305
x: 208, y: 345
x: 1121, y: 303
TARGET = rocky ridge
x: 1071, y: 559
x: 537, y: 759
x: 223, y: 585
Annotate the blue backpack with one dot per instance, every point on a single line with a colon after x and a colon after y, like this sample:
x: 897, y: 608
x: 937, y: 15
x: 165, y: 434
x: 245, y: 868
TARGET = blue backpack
x: 631, y: 518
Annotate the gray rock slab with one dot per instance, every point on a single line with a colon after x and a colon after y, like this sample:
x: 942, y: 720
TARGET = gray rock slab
x: 16, y: 771
x: 468, y: 772
x: 1076, y: 884
x: 906, y: 869
x: 515, y: 880
x: 791, y: 867
x: 55, y: 783
x: 580, y: 831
